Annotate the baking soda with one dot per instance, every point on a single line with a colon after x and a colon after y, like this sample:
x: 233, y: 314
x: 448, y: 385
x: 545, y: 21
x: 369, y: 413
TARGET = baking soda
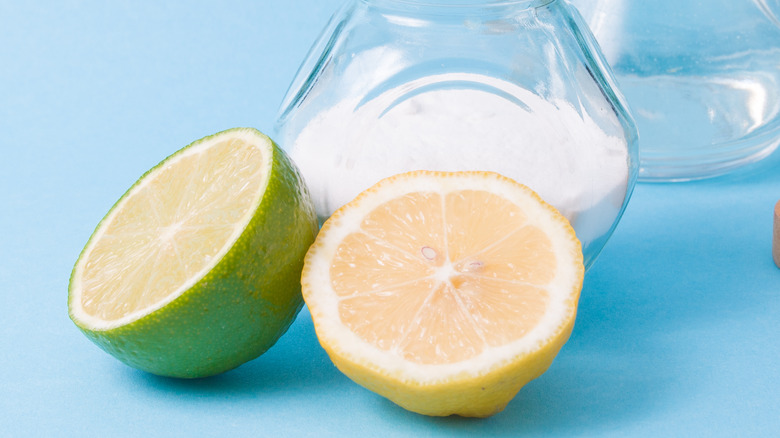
x: 474, y: 123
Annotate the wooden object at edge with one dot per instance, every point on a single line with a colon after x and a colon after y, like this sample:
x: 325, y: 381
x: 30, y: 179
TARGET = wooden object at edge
x: 776, y: 236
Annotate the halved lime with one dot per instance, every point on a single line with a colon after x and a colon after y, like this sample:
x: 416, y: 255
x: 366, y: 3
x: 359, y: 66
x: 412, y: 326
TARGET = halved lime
x: 196, y: 269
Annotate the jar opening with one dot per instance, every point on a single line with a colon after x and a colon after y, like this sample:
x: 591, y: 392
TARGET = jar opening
x: 462, y: 3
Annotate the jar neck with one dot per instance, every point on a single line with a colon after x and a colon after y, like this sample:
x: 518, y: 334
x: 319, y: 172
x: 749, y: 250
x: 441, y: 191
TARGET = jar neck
x: 454, y: 6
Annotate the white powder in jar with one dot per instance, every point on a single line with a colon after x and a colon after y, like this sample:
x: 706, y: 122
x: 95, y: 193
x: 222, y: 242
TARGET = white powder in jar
x: 552, y: 148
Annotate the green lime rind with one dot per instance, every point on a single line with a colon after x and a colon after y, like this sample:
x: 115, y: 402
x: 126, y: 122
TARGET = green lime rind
x: 242, y: 306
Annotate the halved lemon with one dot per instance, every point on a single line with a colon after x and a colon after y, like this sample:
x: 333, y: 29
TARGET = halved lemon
x: 196, y: 269
x: 444, y: 292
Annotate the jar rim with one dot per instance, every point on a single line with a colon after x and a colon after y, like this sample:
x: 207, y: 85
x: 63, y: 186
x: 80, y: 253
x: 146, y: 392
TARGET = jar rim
x: 461, y: 4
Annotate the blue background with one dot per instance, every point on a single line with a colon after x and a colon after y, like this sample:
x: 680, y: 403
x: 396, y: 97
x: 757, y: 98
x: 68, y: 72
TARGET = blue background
x: 677, y: 333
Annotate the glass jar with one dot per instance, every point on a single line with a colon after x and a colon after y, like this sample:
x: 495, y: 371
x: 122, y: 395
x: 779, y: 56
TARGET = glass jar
x: 516, y: 87
x: 702, y: 78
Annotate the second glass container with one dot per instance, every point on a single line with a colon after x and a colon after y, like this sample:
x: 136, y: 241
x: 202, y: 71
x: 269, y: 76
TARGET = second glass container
x: 702, y: 78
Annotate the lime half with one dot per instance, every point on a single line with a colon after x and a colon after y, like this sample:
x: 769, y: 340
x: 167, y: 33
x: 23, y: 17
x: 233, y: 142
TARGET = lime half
x: 196, y: 269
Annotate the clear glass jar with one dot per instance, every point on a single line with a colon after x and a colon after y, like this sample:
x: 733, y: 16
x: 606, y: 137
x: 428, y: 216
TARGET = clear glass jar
x: 702, y: 78
x: 514, y: 86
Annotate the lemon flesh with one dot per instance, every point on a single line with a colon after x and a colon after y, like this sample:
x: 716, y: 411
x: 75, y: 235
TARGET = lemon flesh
x: 444, y: 292
x: 195, y: 270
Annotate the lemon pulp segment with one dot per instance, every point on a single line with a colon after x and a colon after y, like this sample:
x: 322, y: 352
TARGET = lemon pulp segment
x: 461, y: 271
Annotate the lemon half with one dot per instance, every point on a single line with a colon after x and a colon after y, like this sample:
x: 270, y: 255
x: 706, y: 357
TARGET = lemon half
x: 444, y: 292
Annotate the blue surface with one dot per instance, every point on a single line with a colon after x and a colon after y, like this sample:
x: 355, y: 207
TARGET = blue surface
x: 677, y: 333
